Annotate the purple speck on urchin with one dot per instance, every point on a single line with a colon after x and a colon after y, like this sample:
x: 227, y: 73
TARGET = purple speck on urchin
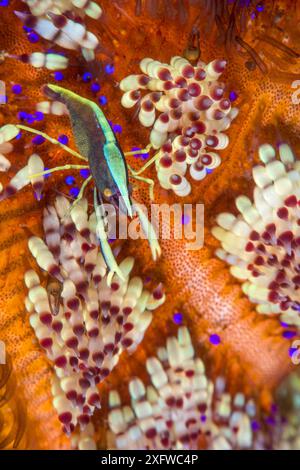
x: 178, y: 318
x: 85, y: 173
x: 215, y: 339
x: 144, y: 156
x: 87, y: 77
x: 38, y: 140
x: 69, y: 180
x: 38, y: 116
x: 233, y: 96
x: 48, y: 174
x: 135, y: 149
x: 22, y: 115
x: 289, y: 334
x: 33, y: 37
x: 63, y: 139
x: 109, y: 69
x: 95, y: 87
x: 74, y: 192
x: 102, y: 100
x: 30, y: 119
x: 270, y: 420
x: 16, y: 89
x: 274, y: 408
x: 255, y: 426
x: 117, y: 128
x: 58, y: 76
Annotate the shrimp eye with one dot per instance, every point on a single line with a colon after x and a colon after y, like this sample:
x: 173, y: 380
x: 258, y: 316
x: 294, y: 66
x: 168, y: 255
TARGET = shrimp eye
x: 107, y: 193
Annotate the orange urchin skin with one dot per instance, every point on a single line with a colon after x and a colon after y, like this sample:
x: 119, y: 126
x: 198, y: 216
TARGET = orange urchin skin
x: 252, y: 354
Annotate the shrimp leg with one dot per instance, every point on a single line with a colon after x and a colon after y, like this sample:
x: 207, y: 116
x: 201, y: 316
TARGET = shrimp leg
x: 102, y: 236
x: 52, y: 140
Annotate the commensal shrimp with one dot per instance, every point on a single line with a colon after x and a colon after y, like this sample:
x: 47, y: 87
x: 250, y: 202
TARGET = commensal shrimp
x: 102, y: 154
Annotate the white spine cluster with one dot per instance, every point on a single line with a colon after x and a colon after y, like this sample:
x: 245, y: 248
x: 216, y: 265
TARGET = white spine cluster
x: 50, y: 61
x: 42, y: 7
x: 29, y: 174
x: 82, y: 323
x: 262, y: 243
x: 187, y: 112
x: 52, y: 107
x: 7, y: 133
x: 181, y: 407
x: 61, y: 22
